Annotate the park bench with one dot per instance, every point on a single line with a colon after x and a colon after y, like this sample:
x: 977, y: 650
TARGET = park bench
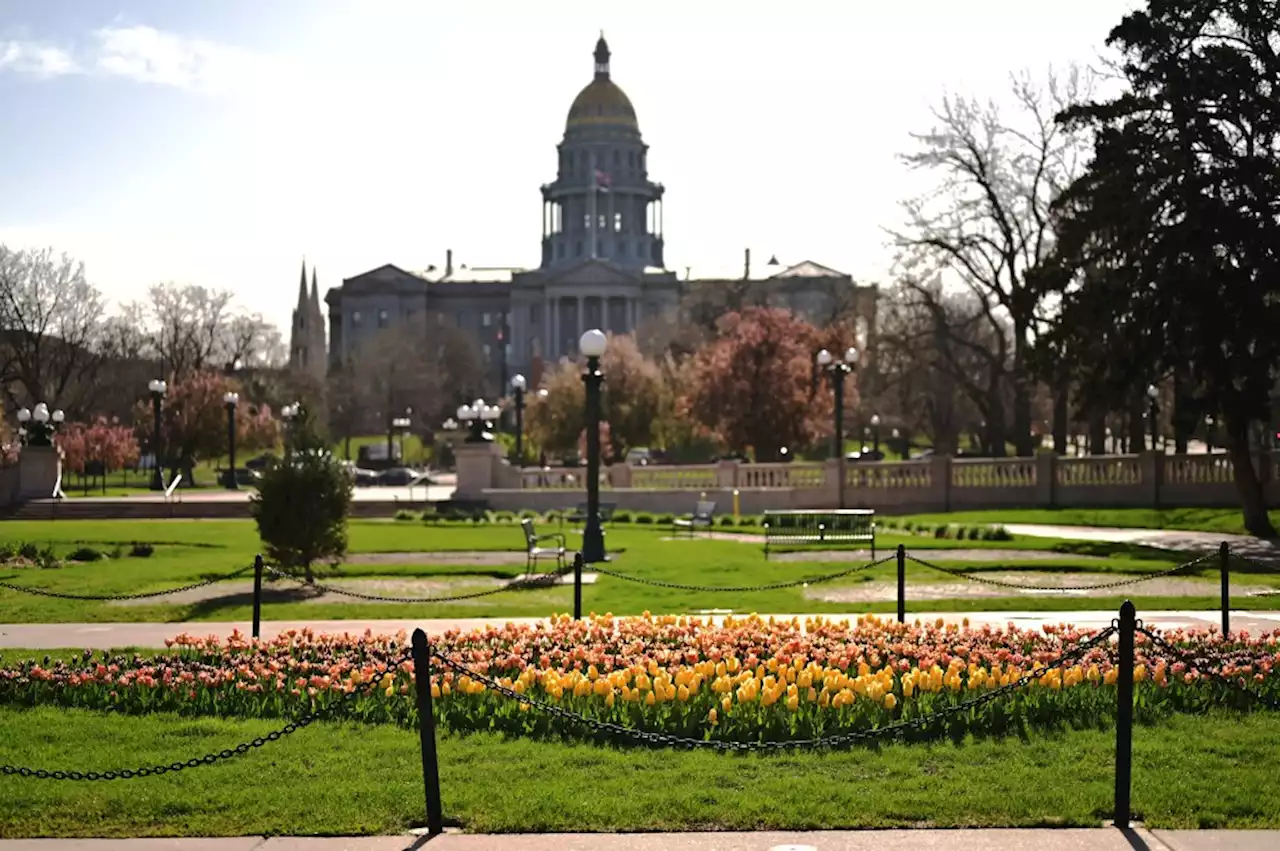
x: 579, y: 513
x: 534, y: 549
x: 833, y: 527
x: 703, y: 517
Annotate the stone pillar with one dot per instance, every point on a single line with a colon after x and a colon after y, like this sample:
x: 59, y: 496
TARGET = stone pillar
x: 477, y: 468
x: 581, y: 328
x: 553, y: 329
x: 831, y: 485
x: 1152, y: 466
x: 620, y: 475
x: 38, y: 470
x: 940, y: 480
x: 1046, y: 478
x: 727, y: 474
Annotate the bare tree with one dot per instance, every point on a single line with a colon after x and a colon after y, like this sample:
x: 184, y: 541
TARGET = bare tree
x: 49, y: 322
x: 188, y: 327
x: 251, y: 339
x: 987, y: 223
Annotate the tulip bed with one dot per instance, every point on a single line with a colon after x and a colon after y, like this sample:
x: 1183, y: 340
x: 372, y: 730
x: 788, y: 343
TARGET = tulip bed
x: 747, y: 680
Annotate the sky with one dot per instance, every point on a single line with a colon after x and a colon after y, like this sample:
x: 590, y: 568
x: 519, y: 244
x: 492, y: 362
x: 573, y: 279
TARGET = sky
x: 221, y: 142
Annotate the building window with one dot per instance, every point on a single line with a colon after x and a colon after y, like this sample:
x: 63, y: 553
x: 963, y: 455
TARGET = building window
x: 586, y: 221
x: 535, y: 314
x: 383, y: 319
x: 462, y: 319
x: 488, y: 351
x: 604, y: 222
x: 355, y: 318
x: 569, y: 158
x: 577, y: 249
x: 631, y: 158
x: 560, y: 250
x: 507, y: 351
x: 617, y: 223
x: 617, y: 157
x: 486, y: 319
x: 622, y: 248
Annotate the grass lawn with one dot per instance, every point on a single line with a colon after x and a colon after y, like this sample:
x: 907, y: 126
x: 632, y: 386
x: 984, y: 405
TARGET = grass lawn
x: 1227, y: 520
x: 189, y: 551
x: 1190, y: 771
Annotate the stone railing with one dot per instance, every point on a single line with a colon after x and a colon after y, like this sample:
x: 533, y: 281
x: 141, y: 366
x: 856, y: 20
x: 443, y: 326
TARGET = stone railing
x: 939, y: 483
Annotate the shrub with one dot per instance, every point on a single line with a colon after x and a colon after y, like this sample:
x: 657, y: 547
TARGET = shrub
x: 528, y: 514
x: 665, y: 519
x: 47, y: 558
x: 748, y: 520
x: 302, y: 504
x: 29, y: 551
x: 622, y: 517
x: 404, y: 514
x: 85, y: 554
x: 140, y: 550
x: 727, y: 520
x: 644, y: 519
x: 941, y: 531
x: 8, y: 550
x: 998, y: 533
x: 430, y: 515
x: 117, y: 552
x: 501, y: 516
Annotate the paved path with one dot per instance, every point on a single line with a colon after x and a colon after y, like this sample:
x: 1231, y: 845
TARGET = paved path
x: 1165, y: 539
x: 106, y: 636
x: 1066, y: 839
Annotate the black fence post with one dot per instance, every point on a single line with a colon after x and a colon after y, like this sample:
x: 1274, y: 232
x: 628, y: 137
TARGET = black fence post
x: 1224, y: 565
x: 1124, y: 714
x: 577, y: 586
x: 902, y: 584
x: 427, y: 733
x: 257, y: 595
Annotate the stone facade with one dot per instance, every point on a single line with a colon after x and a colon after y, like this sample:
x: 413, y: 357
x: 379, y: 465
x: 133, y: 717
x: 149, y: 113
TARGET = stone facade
x: 602, y: 261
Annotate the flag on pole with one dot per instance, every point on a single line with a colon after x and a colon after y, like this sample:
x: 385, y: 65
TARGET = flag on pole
x: 603, y: 180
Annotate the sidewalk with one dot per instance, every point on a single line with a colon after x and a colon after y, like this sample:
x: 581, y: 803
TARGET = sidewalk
x: 1067, y: 839
x: 107, y: 636
x: 1164, y: 539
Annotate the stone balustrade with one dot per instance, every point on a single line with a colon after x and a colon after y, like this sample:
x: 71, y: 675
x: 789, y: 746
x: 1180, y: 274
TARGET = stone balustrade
x: 938, y: 483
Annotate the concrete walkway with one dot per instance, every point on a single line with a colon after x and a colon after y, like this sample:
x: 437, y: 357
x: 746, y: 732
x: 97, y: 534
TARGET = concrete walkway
x: 1165, y: 539
x: 106, y: 636
x: 1065, y: 839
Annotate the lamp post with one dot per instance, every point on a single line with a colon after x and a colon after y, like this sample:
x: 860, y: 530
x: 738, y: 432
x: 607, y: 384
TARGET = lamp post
x: 875, y: 432
x: 401, y: 426
x: 518, y: 386
x: 1153, y: 406
x: 477, y: 416
x: 897, y: 442
x: 289, y: 413
x: 1208, y: 434
x: 36, y: 427
x: 592, y: 344
x: 837, y: 370
x: 231, y: 400
x: 157, y: 388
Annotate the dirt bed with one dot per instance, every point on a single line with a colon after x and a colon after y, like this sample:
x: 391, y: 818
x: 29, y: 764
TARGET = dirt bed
x: 1036, y: 582
x: 478, y: 557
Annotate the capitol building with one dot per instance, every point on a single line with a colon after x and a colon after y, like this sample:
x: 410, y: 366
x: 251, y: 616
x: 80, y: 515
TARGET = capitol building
x: 602, y: 264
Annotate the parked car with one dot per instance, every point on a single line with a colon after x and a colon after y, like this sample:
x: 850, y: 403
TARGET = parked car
x: 401, y: 476
x: 364, y: 478
x: 260, y: 462
x: 244, y: 477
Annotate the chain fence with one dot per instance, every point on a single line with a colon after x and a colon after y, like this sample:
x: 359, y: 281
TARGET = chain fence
x: 542, y: 580
x: 42, y: 592
x: 772, y: 586
x: 1119, y: 583
x: 1202, y: 663
x: 216, y: 756
x: 834, y: 741
x: 1253, y: 562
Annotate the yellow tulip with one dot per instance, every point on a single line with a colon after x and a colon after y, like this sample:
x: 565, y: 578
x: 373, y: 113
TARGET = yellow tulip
x: 727, y: 704
x: 712, y: 717
x: 649, y: 699
x: 609, y: 699
x: 890, y: 701
x: 435, y: 692
x: 793, y: 702
x: 683, y: 694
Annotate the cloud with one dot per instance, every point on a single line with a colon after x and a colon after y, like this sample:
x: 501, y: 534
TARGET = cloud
x: 143, y: 54
x: 36, y: 59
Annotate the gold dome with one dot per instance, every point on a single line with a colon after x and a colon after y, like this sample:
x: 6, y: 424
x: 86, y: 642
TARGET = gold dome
x: 602, y: 102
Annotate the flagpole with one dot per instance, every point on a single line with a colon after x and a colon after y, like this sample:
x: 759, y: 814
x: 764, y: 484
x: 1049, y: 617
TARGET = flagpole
x: 594, y: 189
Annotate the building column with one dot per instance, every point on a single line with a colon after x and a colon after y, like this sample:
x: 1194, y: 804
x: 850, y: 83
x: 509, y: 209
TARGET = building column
x: 581, y: 325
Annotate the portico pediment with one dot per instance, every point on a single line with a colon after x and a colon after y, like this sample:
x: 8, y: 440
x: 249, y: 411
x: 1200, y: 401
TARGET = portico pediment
x: 592, y: 273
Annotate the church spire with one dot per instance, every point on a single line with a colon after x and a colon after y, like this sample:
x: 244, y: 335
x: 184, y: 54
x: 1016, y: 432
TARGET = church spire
x: 602, y: 58
x: 302, y: 285
x: 315, y: 291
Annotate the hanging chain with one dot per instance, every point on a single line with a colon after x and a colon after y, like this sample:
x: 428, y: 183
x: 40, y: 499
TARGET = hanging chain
x: 1133, y: 580
x: 63, y: 596
x: 542, y: 580
x: 773, y: 586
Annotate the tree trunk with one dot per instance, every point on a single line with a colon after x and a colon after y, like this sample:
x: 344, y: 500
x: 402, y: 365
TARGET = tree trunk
x: 309, y: 573
x: 1097, y: 433
x: 1137, y: 426
x: 1061, y: 413
x: 1253, y: 501
x: 1023, y: 443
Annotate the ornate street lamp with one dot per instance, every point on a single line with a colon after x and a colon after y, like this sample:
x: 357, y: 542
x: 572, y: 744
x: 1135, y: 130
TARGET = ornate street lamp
x: 479, y: 417
x: 401, y: 426
x: 837, y: 370
x: 592, y: 344
x: 157, y: 388
x: 230, y: 400
x: 518, y: 386
x: 875, y: 432
x: 290, y: 414
x: 897, y: 442
x: 1208, y: 434
x: 36, y: 427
